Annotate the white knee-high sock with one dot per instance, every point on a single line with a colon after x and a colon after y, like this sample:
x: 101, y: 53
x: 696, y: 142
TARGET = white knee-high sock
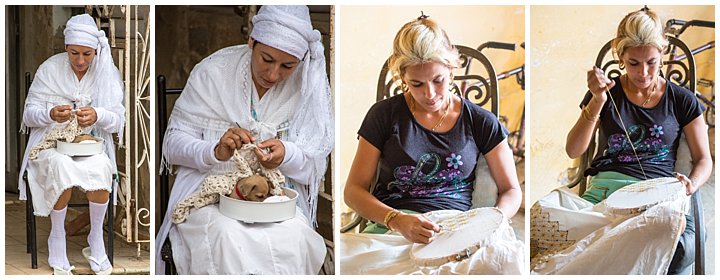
x: 56, y: 241
x: 95, y: 237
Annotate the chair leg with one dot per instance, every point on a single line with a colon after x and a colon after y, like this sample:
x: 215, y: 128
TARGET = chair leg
x: 33, y: 241
x: 28, y: 214
x: 110, y: 216
x: 697, y: 207
x: 31, y: 232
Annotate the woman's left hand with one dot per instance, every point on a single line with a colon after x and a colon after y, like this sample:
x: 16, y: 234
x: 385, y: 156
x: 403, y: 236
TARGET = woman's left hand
x: 275, y: 157
x: 689, y: 186
x: 86, y: 116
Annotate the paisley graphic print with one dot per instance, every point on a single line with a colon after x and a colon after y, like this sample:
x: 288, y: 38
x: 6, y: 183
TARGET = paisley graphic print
x: 648, y: 145
x: 430, y: 177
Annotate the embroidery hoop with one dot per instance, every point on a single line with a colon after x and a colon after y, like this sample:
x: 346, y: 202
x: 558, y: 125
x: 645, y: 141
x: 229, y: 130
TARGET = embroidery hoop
x: 638, y: 197
x: 462, y: 235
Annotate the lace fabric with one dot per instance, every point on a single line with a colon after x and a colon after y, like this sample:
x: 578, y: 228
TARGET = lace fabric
x: 213, y: 186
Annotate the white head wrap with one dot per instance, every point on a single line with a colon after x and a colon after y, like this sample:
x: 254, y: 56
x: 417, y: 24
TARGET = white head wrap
x: 81, y: 30
x: 289, y: 29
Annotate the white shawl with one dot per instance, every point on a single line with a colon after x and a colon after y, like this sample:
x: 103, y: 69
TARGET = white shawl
x: 55, y: 84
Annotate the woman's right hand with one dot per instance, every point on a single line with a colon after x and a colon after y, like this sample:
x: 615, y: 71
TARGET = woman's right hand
x: 598, y: 83
x: 233, y: 139
x: 61, y: 113
x: 415, y: 228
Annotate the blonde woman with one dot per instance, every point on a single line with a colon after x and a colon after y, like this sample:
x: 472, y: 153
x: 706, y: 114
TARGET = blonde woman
x: 404, y: 136
x: 655, y: 114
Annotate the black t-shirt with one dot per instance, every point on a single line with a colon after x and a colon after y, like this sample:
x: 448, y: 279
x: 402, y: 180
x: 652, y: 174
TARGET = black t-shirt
x: 655, y: 133
x: 422, y: 170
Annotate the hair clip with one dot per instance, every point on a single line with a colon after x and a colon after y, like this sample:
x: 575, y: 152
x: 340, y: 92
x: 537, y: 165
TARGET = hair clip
x: 422, y: 16
x: 645, y: 9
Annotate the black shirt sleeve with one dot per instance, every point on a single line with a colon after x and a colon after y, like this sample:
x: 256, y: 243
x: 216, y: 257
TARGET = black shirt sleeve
x: 687, y: 107
x: 376, y: 127
x: 488, y: 131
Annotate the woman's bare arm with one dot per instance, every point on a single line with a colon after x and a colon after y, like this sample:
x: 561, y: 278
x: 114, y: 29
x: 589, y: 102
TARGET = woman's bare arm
x: 502, y: 169
x: 697, y: 139
x: 578, y: 139
x: 415, y: 228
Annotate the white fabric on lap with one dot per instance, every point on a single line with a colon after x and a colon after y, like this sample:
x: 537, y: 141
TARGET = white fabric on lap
x: 363, y: 253
x: 210, y: 243
x: 52, y: 173
x: 569, y: 235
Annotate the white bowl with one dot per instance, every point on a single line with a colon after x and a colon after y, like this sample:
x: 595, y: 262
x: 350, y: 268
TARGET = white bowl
x: 259, y: 212
x: 80, y: 149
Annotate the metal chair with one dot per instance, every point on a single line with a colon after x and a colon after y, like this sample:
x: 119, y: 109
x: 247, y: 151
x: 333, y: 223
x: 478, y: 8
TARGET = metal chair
x: 31, y: 231
x: 162, y: 121
x: 477, y: 85
x: 681, y: 72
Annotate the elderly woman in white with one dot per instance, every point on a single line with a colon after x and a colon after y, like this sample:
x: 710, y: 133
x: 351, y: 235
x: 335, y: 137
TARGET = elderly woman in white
x: 79, y: 90
x: 273, y: 92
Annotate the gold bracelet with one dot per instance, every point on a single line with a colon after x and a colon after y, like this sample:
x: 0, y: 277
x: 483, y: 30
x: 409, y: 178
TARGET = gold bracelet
x: 389, y: 216
x: 587, y: 115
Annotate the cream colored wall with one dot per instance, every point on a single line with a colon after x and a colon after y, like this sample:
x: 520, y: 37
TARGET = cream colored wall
x: 564, y: 42
x: 364, y: 41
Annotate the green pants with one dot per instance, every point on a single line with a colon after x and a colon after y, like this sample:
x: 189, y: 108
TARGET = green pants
x: 373, y: 227
x: 605, y: 183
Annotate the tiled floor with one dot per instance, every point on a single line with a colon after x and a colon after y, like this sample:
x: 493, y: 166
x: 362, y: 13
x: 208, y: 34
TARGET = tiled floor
x: 17, y: 261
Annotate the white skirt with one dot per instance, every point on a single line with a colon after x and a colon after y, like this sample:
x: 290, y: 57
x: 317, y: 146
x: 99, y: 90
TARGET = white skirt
x: 52, y: 173
x: 210, y: 243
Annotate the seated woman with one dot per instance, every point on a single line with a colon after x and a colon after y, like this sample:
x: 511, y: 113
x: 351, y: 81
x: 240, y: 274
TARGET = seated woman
x: 273, y: 92
x: 75, y: 92
x: 424, y: 145
x: 643, y: 105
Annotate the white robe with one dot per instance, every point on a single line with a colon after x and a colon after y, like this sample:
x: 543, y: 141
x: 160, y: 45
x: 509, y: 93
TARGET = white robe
x: 208, y: 242
x: 56, y: 84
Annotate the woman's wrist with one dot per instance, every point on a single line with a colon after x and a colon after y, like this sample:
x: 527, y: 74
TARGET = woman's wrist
x: 389, y: 217
x: 588, y: 116
x: 599, y: 100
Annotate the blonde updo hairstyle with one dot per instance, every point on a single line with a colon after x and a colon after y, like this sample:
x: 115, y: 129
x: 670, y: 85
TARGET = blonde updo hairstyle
x: 638, y: 29
x: 421, y: 41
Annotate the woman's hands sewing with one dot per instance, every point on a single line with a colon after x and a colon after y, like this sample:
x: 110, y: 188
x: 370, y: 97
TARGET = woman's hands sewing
x: 415, y: 228
x: 598, y: 83
x: 233, y: 139
x: 61, y: 113
x: 274, y: 157
x: 270, y: 152
x: 687, y: 182
x: 86, y: 116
